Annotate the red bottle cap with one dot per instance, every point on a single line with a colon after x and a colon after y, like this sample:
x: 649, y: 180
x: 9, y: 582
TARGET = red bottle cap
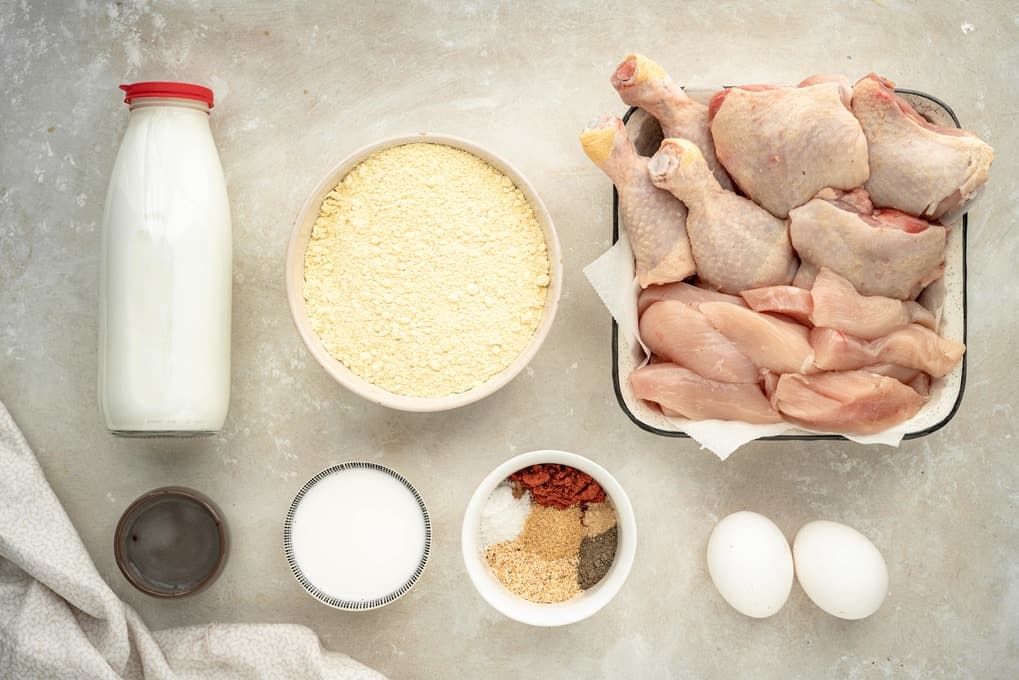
x: 158, y: 88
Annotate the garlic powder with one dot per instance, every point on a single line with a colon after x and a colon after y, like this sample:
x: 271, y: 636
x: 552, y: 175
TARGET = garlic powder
x: 427, y: 271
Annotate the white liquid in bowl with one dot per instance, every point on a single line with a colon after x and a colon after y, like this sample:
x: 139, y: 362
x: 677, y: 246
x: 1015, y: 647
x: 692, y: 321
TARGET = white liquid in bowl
x: 358, y: 534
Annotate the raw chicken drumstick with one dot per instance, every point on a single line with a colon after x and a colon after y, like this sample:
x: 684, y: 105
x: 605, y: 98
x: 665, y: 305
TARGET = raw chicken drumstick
x: 643, y: 83
x: 885, y: 253
x: 736, y: 244
x: 916, y: 167
x: 782, y: 145
x: 654, y: 219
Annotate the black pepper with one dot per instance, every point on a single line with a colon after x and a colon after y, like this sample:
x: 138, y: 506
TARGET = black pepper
x: 596, y: 556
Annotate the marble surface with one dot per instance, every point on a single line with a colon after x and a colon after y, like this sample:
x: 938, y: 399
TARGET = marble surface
x: 298, y: 86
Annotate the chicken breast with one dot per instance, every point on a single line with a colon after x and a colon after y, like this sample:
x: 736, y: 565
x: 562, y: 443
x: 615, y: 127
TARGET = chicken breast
x: 848, y: 401
x: 912, y: 347
x: 838, y: 305
x: 778, y: 345
x: 680, y: 390
x: 791, y: 301
x: 684, y: 336
x: 685, y: 293
x: 903, y: 374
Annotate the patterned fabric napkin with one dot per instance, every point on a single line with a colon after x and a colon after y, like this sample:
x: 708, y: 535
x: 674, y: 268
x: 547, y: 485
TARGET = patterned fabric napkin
x: 59, y: 619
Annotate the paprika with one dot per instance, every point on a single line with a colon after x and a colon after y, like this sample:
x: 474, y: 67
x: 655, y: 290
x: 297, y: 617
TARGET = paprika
x: 559, y: 486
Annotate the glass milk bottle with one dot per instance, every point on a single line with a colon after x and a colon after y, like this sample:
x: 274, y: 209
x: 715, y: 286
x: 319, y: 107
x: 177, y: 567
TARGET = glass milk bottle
x: 164, y: 300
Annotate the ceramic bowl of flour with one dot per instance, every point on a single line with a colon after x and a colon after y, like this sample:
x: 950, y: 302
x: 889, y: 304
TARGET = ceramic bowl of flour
x: 415, y: 310
x: 582, y: 605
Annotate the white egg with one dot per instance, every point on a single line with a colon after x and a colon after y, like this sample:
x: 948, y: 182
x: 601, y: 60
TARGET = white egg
x: 750, y: 564
x: 840, y: 569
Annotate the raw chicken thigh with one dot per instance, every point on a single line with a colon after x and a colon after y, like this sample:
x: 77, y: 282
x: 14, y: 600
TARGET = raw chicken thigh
x: 885, y: 253
x: 654, y: 219
x: 736, y: 244
x: 916, y: 167
x: 782, y: 145
x: 643, y: 83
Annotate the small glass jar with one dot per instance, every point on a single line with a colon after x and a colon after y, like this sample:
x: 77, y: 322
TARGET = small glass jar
x: 171, y: 542
x: 165, y: 283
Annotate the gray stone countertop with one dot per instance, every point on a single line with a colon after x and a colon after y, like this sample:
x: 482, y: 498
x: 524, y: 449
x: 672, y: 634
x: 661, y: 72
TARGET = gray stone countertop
x: 298, y: 86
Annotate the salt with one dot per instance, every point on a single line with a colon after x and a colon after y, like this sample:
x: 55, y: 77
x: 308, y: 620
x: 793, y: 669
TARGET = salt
x: 358, y: 534
x: 503, y: 516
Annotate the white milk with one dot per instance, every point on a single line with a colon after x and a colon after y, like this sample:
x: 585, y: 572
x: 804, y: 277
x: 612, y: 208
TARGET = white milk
x: 358, y: 534
x: 164, y: 312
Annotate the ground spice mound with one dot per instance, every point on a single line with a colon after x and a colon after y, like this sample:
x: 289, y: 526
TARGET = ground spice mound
x: 559, y: 486
x: 552, y: 534
x: 532, y: 578
x: 599, y: 518
x: 596, y: 556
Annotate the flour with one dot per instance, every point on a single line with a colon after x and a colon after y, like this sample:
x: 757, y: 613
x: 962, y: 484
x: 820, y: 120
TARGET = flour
x: 427, y: 271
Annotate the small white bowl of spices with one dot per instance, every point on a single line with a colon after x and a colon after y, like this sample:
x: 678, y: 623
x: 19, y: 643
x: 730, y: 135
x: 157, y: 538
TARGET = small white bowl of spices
x: 423, y: 272
x: 549, y: 538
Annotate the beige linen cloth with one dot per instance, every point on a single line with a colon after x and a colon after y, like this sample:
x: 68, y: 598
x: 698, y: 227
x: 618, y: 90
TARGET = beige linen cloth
x: 59, y: 619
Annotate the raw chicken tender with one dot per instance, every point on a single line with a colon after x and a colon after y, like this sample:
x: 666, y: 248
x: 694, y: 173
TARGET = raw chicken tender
x: 683, y: 292
x: 791, y: 301
x: 679, y: 390
x: 916, y: 167
x: 736, y: 244
x: 643, y: 83
x: 772, y: 343
x: 838, y: 305
x: 850, y: 401
x: 888, y: 253
x: 684, y: 336
x: 901, y: 373
x: 912, y: 347
x: 782, y: 145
